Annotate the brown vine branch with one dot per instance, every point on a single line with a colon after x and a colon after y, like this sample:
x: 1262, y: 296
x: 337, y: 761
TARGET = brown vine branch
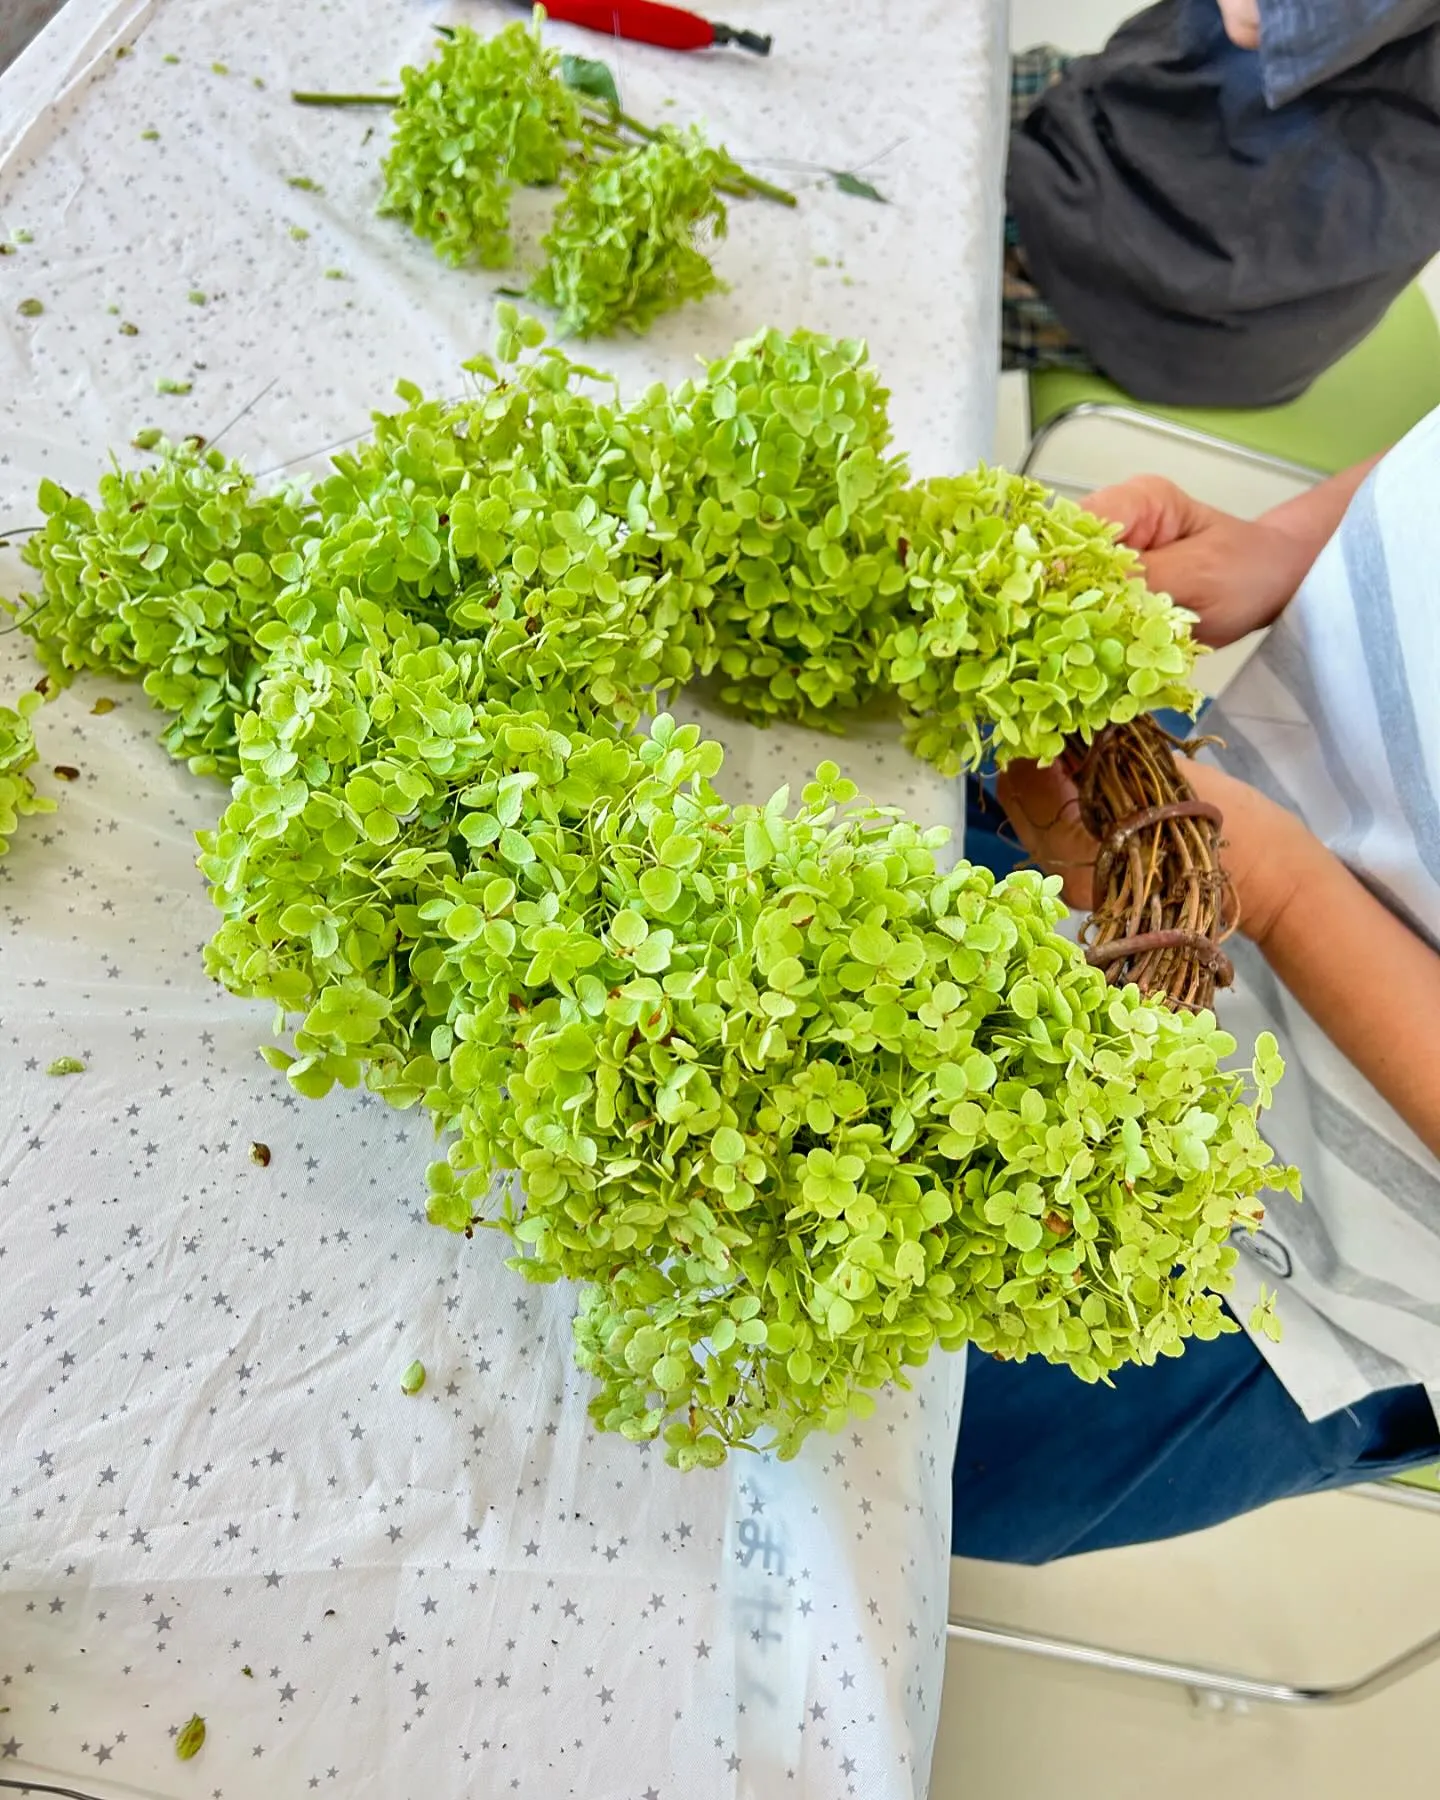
x: 1163, y: 904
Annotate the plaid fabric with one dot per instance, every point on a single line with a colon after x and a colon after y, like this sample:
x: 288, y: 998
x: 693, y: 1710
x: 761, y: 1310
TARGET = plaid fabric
x: 1031, y: 337
x: 1032, y: 73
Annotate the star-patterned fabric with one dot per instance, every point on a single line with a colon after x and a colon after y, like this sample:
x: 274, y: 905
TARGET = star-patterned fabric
x: 216, y: 1497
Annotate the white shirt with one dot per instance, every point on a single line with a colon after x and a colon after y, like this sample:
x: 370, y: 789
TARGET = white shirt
x: 1337, y: 717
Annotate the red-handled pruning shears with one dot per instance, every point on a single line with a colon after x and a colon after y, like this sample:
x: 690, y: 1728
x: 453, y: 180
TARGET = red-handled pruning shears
x: 648, y: 22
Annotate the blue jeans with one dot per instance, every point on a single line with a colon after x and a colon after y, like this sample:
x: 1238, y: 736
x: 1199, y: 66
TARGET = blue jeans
x: 991, y: 842
x: 1047, y: 1467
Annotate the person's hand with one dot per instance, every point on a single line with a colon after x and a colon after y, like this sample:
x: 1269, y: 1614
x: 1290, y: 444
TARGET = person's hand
x: 1263, y: 845
x: 1241, y: 19
x: 1044, y: 807
x: 1236, y: 574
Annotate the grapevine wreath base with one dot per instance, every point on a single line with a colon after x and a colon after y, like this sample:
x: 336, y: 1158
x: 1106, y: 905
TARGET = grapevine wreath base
x: 1162, y: 904
x: 792, y: 1102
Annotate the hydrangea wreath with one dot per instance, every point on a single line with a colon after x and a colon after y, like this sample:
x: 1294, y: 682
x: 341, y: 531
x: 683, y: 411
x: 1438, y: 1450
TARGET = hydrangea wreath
x: 792, y: 1101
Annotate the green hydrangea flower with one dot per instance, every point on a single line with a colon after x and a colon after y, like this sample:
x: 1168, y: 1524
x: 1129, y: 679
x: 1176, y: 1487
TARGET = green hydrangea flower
x: 171, y: 578
x: 793, y: 1103
x: 1023, y: 623
x: 626, y: 241
x: 783, y: 449
x: 483, y: 117
x: 17, y: 754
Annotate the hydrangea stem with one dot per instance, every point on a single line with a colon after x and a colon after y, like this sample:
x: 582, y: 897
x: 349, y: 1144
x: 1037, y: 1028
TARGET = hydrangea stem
x: 745, y: 182
x: 308, y: 99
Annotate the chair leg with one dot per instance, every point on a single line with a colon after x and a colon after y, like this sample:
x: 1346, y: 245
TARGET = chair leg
x: 1039, y: 439
x: 1197, y: 1677
x: 1398, y: 1493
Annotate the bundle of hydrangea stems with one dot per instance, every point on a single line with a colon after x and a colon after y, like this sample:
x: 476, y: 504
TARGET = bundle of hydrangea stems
x: 790, y: 1098
x: 639, y: 207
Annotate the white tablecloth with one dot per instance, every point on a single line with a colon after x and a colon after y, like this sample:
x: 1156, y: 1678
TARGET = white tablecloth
x: 215, y: 1497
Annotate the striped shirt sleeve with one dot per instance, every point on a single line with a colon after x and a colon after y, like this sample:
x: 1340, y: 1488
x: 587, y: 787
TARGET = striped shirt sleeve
x: 1337, y: 717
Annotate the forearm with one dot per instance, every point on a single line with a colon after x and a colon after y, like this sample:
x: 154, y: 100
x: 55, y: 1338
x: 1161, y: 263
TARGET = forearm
x: 1368, y: 982
x: 1311, y: 519
x: 1366, y: 979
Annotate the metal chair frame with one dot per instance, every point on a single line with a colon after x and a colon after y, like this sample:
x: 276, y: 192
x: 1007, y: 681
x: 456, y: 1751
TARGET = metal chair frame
x: 1198, y: 1678
x: 1223, y: 1684
x: 1171, y: 428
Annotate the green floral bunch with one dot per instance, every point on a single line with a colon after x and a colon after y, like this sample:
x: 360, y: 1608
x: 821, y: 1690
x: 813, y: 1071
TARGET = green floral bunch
x: 791, y: 1102
x: 625, y: 244
x: 627, y: 241
x: 797, y: 1105
x: 483, y: 117
x: 783, y: 448
x: 170, y: 577
x: 797, y: 1135
x: 17, y: 754
x: 1022, y: 623
x: 515, y: 518
x: 375, y: 769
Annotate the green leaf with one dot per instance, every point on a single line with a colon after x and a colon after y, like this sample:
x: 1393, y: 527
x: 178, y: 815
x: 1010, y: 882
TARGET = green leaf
x: 1263, y: 1317
x: 840, y: 1317
x: 574, y: 1049
x: 871, y: 943
x: 909, y: 1262
x: 661, y: 889
x: 1023, y: 1232
x: 450, y: 1210
x: 727, y: 1145
x: 852, y: 184
x: 587, y: 76
x: 629, y: 930
x: 190, y: 1738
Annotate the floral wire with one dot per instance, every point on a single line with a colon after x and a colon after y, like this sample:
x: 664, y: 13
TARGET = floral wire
x: 817, y: 168
x: 325, y: 449
x: 21, y: 619
x: 45, y: 1787
x: 244, y: 410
